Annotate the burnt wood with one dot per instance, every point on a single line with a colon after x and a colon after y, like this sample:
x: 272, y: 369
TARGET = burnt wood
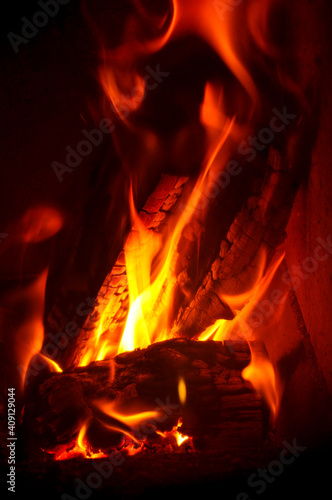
x: 222, y: 411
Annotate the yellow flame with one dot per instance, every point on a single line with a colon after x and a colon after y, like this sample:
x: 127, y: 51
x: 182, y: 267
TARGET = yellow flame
x: 53, y: 365
x: 182, y: 390
x: 174, y: 434
x: 180, y: 438
x: 81, y: 447
x: 110, y: 409
x: 144, y: 323
x: 261, y: 374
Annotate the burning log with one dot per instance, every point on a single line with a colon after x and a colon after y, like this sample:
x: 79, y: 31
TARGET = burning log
x: 218, y: 407
x: 114, y: 291
x: 255, y: 214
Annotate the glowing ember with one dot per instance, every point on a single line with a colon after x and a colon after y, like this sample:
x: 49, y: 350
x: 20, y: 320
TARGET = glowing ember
x: 80, y: 448
x: 121, y: 423
x: 174, y: 434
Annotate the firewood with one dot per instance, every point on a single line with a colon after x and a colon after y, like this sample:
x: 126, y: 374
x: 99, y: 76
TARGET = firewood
x: 221, y: 409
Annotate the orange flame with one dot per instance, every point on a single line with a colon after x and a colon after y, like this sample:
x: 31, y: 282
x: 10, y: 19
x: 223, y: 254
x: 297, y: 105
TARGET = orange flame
x: 30, y: 335
x: 261, y: 374
x: 54, y: 367
x: 145, y: 323
x: 182, y: 390
x: 150, y: 260
x: 260, y: 371
x: 150, y: 256
x: 131, y: 420
x: 80, y: 448
x: 174, y: 434
x: 119, y: 75
x: 22, y: 309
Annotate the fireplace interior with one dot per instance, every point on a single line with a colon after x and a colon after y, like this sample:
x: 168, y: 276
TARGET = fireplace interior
x: 166, y: 248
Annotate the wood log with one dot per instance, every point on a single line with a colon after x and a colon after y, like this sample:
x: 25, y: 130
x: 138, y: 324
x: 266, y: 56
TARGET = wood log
x: 221, y: 409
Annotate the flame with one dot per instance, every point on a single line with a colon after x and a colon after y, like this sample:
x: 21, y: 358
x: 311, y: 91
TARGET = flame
x: 149, y: 259
x: 80, y: 448
x: 145, y: 323
x: 30, y: 335
x: 260, y: 371
x: 174, y: 434
x: 119, y: 74
x: 131, y: 420
x: 22, y: 308
x: 54, y: 367
x: 180, y: 438
x: 182, y: 390
x: 151, y: 256
x: 261, y: 374
x: 122, y: 423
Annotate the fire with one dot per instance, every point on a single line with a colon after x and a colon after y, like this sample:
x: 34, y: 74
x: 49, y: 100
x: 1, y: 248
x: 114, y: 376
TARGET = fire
x: 30, y: 335
x: 261, y: 374
x: 180, y: 438
x: 260, y: 371
x: 119, y: 74
x: 174, y: 434
x: 109, y: 414
x: 110, y: 409
x: 182, y: 390
x: 54, y: 367
x: 150, y: 257
x: 22, y: 309
x: 80, y: 448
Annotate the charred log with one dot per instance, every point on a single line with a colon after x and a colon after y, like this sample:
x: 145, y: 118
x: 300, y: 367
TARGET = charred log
x: 221, y: 409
